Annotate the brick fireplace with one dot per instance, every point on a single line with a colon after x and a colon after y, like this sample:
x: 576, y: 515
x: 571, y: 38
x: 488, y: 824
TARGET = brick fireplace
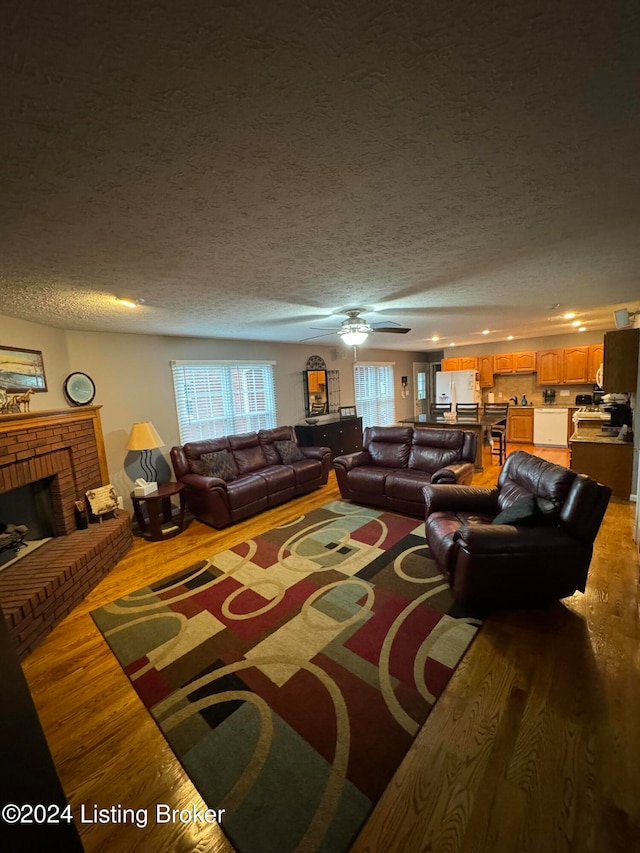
x: 67, y: 446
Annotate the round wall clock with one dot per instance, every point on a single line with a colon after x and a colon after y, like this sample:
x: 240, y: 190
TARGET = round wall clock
x: 79, y: 389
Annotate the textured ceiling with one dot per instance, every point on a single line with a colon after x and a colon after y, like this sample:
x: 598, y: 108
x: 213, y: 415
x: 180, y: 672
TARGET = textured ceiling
x: 251, y: 169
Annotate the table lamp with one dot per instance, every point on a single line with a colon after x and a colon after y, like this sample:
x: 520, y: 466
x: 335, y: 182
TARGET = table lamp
x: 144, y: 437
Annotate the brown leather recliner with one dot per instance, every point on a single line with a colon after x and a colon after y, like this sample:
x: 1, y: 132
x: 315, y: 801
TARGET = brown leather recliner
x: 525, y: 542
x: 397, y: 462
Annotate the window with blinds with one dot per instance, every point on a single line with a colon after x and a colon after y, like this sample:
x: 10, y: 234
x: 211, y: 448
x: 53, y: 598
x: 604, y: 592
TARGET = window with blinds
x: 215, y: 398
x: 375, y: 400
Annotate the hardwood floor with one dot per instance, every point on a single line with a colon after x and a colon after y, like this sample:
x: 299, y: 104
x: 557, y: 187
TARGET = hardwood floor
x: 534, y: 746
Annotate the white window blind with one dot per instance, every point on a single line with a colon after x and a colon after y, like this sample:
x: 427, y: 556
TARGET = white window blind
x: 215, y: 398
x: 375, y: 400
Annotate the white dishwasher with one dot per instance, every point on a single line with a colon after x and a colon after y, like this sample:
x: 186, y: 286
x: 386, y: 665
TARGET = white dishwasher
x: 550, y: 426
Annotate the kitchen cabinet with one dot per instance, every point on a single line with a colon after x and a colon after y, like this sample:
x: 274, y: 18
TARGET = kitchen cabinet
x: 485, y: 368
x: 607, y: 460
x: 450, y: 364
x: 549, y: 367
x: 514, y: 362
x: 465, y: 362
x: 621, y: 360
x: 503, y: 362
x: 468, y: 362
x: 596, y: 358
x: 520, y: 425
x: 524, y: 362
x: 575, y: 365
x: 343, y: 436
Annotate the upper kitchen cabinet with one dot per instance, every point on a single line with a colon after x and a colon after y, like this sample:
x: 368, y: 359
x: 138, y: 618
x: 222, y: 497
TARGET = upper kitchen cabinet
x: 524, y: 362
x: 575, y: 369
x: 464, y: 362
x: 514, y: 362
x: 549, y: 366
x: 450, y: 364
x: 468, y: 362
x: 596, y: 358
x: 485, y: 368
x: 503, y: 362
x: 621, y: 360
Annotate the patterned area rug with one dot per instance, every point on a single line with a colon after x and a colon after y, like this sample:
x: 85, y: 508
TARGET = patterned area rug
x: 291, y: 673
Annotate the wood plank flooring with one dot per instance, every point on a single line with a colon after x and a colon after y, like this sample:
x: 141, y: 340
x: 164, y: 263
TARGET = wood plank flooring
x: 534, y: 746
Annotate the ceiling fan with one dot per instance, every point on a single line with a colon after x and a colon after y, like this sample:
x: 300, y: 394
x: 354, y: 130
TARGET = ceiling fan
x: 355, y: 330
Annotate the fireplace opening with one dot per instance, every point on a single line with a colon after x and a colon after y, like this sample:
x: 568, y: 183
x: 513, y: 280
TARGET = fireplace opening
x: 26, y: 520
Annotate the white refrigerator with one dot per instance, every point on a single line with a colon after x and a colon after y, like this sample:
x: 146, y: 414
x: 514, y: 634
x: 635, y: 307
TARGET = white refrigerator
x: 458, y: 386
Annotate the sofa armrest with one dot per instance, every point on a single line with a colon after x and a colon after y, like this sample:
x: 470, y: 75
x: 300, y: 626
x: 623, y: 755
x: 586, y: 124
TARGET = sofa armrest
x: 451, y: 498
x: 203, y: 483
x: 510, y: 539
x: 460, y: 473
x: 353, y: 460
x: 317, y: 453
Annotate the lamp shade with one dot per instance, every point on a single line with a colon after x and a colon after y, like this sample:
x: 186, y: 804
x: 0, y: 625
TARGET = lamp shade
x: 144, y: 436
x: 353, y: 338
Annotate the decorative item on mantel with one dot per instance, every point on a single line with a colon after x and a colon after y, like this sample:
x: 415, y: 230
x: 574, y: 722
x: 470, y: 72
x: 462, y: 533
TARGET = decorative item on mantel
x: 144, y: 437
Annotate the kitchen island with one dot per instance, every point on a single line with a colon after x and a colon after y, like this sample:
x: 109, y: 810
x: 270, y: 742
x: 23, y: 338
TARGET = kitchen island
x: 604, y: 458
x: 481, y: 426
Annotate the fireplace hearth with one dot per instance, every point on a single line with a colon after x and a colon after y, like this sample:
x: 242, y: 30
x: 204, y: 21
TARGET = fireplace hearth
x: 63, y: 449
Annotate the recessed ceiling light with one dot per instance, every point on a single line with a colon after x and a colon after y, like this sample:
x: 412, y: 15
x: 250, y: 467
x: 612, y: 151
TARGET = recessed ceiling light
x: 486, y: 331
x: 435, y: 338
x: 569, y: 315
x: 576, y: 323
x: 452, y: 344
x: 130, y: 303
x: 510, y: 338
x: 582, y: 329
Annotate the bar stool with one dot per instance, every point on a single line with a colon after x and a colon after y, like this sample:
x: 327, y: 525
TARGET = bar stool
x: 498, y: 431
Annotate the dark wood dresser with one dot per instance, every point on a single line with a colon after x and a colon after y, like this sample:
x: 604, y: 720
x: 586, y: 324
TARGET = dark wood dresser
x: 343, y: 436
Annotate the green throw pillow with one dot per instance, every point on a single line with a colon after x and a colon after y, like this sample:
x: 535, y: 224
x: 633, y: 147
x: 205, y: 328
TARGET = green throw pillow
x: 524, y: 511
x: 219, y: 464
x: 289, y: 452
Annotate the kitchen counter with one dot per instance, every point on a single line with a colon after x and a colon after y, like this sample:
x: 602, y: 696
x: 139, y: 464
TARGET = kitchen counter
x: 604, y: 458
x: 598, y: 438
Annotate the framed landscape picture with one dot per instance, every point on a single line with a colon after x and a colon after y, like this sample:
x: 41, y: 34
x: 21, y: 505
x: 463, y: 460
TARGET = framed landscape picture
x: 21, y: 369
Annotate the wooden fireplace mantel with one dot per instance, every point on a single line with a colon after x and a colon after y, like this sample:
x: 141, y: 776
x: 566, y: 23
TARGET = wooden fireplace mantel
x: 64, y: 417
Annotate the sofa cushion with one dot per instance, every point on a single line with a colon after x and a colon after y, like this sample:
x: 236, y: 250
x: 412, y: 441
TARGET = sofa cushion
x: 246, y: 490
x: 288, y: 451
x: 267, y: 439
x: 407, y: 485
x: 433, y: 449
x: 524, y: 474
x: 388, y: 447
x: 193, y: 450
x: 247, y: 452
x: 220, y: 464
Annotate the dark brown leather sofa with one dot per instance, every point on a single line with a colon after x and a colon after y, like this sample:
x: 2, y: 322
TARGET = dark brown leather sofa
x: 525, y: 542
x: 397, y: 462
x: 258, y: 471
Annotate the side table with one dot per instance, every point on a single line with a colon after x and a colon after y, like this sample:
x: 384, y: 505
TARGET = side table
x: 161, y: 524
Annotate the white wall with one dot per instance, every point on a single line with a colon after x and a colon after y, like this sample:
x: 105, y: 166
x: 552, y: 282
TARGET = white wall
x: 133, y: 381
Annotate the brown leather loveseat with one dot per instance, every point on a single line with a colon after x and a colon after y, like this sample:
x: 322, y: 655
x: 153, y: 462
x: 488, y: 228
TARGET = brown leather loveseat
x: 230, y: 478
x: 397, y: 462
x: 527, y: 541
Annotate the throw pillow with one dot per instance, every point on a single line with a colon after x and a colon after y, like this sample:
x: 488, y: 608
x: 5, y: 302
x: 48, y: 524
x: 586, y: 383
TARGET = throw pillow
x: 219, y: 464
x: 289, y: 452
x: 524, y: 511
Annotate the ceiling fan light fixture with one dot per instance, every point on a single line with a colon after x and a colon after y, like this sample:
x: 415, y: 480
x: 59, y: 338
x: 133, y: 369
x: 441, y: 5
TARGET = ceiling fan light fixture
x: 354, y: 331
x: 354, y: 337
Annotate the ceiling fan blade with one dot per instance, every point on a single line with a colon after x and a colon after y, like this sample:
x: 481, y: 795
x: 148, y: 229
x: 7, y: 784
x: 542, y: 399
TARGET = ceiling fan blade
x: 383, y: 327
x: 315, y: 337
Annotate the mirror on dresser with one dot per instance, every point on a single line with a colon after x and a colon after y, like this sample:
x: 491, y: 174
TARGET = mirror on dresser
x: 316, y: 392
